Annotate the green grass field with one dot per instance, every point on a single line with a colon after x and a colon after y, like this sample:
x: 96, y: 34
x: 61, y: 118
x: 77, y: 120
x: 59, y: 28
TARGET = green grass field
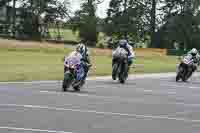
x: 67, y: 34
x: 142, y: 65
x: 46, y: 64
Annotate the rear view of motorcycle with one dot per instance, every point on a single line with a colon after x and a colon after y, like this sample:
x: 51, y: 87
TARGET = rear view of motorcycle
x: 73, y: 74
x: 120, y: 65
x: 185, y: 69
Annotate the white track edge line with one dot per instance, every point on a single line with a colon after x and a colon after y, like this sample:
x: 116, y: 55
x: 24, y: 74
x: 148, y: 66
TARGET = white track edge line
x: 104, y: 113
x: 31, y: 129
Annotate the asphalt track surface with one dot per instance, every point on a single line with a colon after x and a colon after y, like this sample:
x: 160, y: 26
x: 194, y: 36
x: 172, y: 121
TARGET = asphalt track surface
x: 142, y: 105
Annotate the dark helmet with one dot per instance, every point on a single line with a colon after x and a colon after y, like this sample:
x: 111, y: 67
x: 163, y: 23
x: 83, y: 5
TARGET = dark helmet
x: 123, y: 43
x: 83, y: 41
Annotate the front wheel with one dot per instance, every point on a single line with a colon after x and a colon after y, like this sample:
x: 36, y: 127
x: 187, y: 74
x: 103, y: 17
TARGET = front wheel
x: 122, y: 81
x: 178, y: 77
x: 180, y: 73
x: 67, y: 81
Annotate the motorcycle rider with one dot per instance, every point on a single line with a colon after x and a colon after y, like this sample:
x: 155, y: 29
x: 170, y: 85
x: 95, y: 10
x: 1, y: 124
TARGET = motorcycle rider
x: 123, y: 43
x: 196, y: 57
x: 194, y: 52
x: 83, y: 50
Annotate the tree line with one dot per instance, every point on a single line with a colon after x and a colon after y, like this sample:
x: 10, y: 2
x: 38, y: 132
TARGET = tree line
x: 160, y: 23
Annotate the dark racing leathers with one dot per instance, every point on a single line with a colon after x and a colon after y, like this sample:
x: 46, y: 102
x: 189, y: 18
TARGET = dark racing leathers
x: 85, y: 62
x: 131, y: 55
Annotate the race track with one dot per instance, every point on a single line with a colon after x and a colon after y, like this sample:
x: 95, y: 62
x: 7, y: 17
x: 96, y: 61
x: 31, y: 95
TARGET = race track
x: 142, y: 105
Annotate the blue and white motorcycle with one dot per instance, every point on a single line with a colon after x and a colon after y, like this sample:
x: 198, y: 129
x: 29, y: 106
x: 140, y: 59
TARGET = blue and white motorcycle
x: 74, y: 74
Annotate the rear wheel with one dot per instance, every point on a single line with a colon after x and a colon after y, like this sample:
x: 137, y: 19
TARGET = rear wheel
x: 190, y: 74
x: 187, y: 75
x: 122, y: 79
x: 123, y: 73
x: 78, y: 85
x: 76, y: 88
x: 184, y: 75
x: 114, y: 71
x: 178, y: 76
x: 126, y: 70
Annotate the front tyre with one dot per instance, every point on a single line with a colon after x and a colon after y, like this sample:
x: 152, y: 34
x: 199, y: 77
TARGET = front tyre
x: 67, y: 81
x: 178, y: 77
x: 180, y: 73
x: 64, y: 86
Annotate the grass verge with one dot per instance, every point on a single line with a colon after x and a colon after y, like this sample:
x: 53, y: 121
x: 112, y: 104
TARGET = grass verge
x: 32, y: 65
x: 45, y: 63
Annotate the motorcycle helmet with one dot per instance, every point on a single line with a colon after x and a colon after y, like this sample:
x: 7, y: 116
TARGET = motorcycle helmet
x: 194, y: 52
x: 122, y: 43
x: 80, y: 48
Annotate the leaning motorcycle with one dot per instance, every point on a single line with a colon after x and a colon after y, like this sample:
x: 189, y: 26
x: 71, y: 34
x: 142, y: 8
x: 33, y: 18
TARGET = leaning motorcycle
x: 120, y: 65
x: 73, y: 74
x: 185, y: 68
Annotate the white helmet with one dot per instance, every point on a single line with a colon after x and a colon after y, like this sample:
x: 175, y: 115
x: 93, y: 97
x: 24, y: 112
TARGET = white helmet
x: 80, y: 48
x: 194, y: 51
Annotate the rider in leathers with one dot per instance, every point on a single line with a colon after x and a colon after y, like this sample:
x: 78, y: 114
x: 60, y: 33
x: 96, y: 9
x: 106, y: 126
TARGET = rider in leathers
x: 124, y: 44
x: 83, y: 50
x: 195, y: 56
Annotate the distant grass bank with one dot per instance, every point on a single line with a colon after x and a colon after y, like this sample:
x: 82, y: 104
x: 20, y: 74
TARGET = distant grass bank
x: 29, y: 62
x: 66, y: 34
